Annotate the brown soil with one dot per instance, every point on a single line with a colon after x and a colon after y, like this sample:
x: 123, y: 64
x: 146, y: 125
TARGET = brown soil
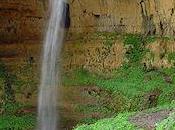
x: 71, y: 98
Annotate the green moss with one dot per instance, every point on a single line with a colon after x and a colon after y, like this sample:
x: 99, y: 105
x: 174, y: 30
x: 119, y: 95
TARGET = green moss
x: 135, y: 47
x: 150, y: 39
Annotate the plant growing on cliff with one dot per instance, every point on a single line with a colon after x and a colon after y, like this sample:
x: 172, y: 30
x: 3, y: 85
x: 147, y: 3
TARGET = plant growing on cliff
x: 134, y: 47
x: 171, y: 57
x: 8, y: 95
x: 27, y: 78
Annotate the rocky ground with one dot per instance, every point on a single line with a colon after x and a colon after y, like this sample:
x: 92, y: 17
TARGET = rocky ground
x: 148, y: 121
x: 76, y: 95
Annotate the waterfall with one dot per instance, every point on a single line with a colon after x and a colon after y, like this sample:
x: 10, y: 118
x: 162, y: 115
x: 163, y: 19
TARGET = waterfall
x: 48, y: 90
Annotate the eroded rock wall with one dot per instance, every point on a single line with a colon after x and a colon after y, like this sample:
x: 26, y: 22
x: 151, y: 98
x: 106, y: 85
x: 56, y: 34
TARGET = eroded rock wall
x: 105, y: 15
x: 21, y: 20
x: 131, y: 16
x: 93, y: 55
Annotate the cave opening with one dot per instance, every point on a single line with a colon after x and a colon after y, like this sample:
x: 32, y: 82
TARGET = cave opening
x: 66, y: 15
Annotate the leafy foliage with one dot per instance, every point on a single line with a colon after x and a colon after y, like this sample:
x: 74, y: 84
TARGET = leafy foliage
x: 127, y: 86
x: 23, y: 122
x: 117, y: 123
x: 10, y: 117
x: 11, y: 108
x: 130, y: 83
x: 167, y: 124
x: 7, y: 80
x: 89, y: 120
x: 171, y: 56
x: 121, y: 121
x: 135, y: 48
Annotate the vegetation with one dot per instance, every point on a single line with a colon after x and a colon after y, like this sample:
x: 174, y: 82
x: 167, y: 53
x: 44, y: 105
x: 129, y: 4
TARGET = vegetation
x: 167, y: 124
x: 7, y: 80
x: 121, y: 121
x: 171, y: 56
x: 17, y: 122
x: 11, y: 115
x: 14, y: 118
x: 131, y: 79
x: 117, y: 123
x: 132, y: 87
x: 135, y: 47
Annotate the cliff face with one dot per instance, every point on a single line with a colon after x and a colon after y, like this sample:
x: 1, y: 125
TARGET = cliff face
x: 105, y: 15
x: 21, y: 20
x: 131, y: 16
x: 90, y: 46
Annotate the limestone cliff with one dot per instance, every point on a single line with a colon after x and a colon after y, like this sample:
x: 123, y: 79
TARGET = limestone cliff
x: 93, y: 42
x: 131, y: 16
x: 23, y: 22
x: 20, y: 20
x: 23, y: 19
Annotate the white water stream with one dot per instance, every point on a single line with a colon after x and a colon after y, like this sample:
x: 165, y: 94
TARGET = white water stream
x: 48, y: 90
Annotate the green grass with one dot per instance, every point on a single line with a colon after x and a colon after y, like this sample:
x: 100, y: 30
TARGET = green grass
x: 12, y: 118
x: 22, y: 122
x: 131, y: 82
x: 167, y: 124
x: 11, y: 108
x: 119, y: 122
x: 171, y: 57
x: 88, y: 120
x: 94, y: 112
x: 87, y: 109
x: 127, y: 85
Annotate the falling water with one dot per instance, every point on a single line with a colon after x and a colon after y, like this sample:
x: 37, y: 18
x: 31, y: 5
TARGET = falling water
x: 47, y: 104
